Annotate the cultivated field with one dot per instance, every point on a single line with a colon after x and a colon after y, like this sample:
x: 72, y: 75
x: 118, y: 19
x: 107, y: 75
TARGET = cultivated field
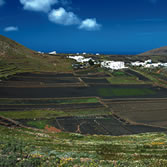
x: 144, y: 111
x: 83, y: 103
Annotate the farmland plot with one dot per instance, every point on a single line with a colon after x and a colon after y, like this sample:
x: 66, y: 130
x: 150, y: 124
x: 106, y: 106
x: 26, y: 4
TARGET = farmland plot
x: 100, y: 125
x: 146, y: 111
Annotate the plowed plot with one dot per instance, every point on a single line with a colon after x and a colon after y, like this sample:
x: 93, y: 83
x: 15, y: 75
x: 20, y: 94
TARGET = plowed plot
x: 95, y: 81
x: 152, y: 112
x: 138, y: 75
x: 92, y: 75
x: 45, y: 79
x: 105, y: 125
x: 46, y: 74
x: 42, y: 80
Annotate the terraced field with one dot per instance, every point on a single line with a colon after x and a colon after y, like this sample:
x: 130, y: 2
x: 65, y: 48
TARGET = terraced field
x: 76, y: 103
x: 99, y: 125
x: 144, y: 111
x: 52, y: 85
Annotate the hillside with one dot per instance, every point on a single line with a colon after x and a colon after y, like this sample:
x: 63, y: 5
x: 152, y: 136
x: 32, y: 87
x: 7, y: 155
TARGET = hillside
x: 28, y: 147
x: 156, y: 52
x: 9, y: 47
x: 53, y: 116
x: 15, y: 58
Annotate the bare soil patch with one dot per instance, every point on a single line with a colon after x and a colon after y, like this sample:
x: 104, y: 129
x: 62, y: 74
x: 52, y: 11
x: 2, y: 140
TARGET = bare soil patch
x: 151, y: 112
x: 90, y: 80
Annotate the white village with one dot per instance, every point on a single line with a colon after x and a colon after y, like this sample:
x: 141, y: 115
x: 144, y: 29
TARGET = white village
x: 117, y: 65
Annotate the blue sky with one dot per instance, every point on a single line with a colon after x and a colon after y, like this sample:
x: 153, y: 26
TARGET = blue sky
x: 108, y: 26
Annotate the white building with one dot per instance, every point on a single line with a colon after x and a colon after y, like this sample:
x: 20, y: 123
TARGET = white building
x: 165, y: 64
x: 137, y: 63
x: 153, y: 65
x: 53, y: 53
x: 148, y: 64
x: 115, y: 65
x: 40, y: 52
x: 148, y: 61
x: 80, y: 59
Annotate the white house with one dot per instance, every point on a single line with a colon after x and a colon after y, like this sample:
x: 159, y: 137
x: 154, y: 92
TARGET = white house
x: 148, y: 61
x: 138, y: 63
x: 40, y: 52
x: 165, y: 64
x: 148, y: 64
x: 115, y: 65
x: 53, y: 53
x: 80, y: 59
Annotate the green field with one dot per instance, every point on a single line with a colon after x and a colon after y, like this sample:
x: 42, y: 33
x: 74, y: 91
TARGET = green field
x: 48, y: 101
x: 47, y: 114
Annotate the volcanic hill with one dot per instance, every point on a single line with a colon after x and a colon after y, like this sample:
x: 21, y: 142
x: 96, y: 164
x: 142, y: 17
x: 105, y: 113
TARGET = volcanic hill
x: 16, y: 58
x: 162, y: 51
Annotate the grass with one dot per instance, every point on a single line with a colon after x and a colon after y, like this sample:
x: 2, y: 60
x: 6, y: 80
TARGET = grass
x: 47, y: 114
x: 40, y: 124
x: 119, y: 73
x: 34, y: 114
x: 48, y: 101
x: 79, y: 150
x: 18, y: 59
x: 153, y: 78
x: 36, y: 63
x: 107, y: 92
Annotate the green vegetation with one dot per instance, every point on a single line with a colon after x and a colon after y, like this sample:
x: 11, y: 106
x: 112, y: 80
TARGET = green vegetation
x: 38, y: 63
x: 15, y: 58
x: 47, y: 114
x: 35, y: 114
x: 118, y: 73
x: 48, y: 101
x: 106, y: 92
x: 40, y: 124
x: 24, y: 147
x: 155, y: 75
x: 125, y: 80
x: 123, y: 77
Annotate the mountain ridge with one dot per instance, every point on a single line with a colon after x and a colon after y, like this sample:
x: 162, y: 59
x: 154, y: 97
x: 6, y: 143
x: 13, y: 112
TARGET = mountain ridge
x: 162, y: 51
